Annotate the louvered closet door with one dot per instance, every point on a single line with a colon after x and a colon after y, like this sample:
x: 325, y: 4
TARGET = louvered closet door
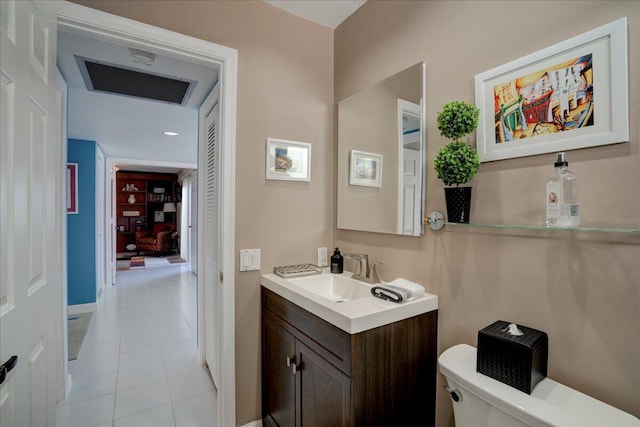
x: 212, y: 244
x: 31, y: 212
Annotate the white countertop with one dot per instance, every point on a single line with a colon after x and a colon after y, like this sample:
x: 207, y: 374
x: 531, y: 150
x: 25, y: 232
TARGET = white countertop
x: 353, y: 316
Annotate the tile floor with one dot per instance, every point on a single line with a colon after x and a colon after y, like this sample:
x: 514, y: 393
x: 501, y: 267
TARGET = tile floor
x: 137, y: 365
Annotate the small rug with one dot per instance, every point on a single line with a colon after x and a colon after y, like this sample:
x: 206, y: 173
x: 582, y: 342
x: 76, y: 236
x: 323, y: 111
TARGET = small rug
x: 125, y: 255
x: 175, y: 259
x: 77, y: 326
x: 122, y: 265
x: 137, y: 263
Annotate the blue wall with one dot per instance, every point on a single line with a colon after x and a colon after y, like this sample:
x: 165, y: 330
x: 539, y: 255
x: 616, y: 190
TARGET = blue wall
x: 81, y: 227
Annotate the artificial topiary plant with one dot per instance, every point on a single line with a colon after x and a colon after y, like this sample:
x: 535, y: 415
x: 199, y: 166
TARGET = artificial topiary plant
x: 457, y: 162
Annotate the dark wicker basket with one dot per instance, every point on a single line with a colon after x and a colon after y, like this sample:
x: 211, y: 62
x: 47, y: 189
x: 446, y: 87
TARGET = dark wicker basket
x: 519, y: 361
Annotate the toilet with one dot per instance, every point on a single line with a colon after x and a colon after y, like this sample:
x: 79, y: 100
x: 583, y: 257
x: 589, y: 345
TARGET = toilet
x: 481, y: 401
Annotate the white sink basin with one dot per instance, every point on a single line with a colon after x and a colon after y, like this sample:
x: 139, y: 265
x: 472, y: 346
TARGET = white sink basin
x: 333, y: 287
x: 345, y: 302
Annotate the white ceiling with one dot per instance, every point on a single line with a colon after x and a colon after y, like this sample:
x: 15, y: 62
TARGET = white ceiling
x: 126, y: 127
x: 329, y: 13
x: 131, y: 128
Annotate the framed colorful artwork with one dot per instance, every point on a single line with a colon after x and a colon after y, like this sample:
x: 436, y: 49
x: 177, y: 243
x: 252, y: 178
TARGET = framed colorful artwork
x: 365, y: 169
x: 72, y: 188
x: 288, y: 160
x: 571, y: 95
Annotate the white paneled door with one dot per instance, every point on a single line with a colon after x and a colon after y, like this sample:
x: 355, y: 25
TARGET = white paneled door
x: 411, y: 192
x: 31, y: 215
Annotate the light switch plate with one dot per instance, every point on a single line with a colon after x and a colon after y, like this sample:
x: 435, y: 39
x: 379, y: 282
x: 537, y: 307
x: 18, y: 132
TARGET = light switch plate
x: 249, y: 259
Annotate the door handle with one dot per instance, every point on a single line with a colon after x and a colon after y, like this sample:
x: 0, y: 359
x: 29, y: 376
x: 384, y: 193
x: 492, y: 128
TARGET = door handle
x: 6, y: 367
x: 291, y: 360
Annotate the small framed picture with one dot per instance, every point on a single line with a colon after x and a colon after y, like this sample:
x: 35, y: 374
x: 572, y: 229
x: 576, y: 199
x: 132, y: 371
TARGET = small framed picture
x: 365, y: 169
x: 72, y: 188
x: 158, y: 216
x: 288, y: 160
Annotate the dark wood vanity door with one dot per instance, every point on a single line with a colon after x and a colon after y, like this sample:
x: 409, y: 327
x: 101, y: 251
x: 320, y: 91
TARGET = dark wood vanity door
x: 279, y: 401
x: 324, y: 391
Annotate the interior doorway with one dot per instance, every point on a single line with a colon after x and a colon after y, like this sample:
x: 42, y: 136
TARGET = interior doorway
x: 79, y: 19
x: 150, y: 202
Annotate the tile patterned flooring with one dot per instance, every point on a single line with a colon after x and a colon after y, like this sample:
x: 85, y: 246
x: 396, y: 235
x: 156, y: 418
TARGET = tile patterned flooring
x: 138, y: 365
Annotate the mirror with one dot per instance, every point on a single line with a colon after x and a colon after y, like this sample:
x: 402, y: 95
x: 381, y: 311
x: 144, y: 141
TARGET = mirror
x: 381, y: 156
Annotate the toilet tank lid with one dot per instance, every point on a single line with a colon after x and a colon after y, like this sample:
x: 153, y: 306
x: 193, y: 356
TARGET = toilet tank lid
x: 550, y: 402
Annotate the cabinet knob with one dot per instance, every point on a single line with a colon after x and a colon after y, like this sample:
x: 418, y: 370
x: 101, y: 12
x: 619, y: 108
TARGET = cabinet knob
x: 291, y: 360
x: 295, y: 368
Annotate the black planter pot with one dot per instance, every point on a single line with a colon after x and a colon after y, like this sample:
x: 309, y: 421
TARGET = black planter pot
x: 458, y: 204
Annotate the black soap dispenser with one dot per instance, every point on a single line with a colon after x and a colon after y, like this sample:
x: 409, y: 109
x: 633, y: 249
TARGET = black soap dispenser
x: 337, y: 262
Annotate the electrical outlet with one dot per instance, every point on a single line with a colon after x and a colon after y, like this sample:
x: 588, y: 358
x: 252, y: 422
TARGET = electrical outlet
x: 322, y: 257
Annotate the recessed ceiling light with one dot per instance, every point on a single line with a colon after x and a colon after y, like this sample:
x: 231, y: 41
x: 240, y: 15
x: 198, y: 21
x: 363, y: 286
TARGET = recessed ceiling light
x: 170, y: 133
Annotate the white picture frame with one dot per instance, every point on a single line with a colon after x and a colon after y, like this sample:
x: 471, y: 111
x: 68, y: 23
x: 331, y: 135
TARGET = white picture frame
x: 365, y: 169
x: 571, y: 95
x: 158, y: 216
x: 288, y: 160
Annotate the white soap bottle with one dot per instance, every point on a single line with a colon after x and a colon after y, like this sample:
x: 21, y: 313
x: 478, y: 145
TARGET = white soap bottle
x: 562, y: 196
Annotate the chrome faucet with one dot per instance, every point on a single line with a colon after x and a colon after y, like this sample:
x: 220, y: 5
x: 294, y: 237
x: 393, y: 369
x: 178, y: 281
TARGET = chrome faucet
x: 365, y: 272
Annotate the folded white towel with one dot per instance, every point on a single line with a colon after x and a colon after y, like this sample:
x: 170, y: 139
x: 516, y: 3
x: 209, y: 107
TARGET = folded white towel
x: 402, y: 290
x: 414, y: 290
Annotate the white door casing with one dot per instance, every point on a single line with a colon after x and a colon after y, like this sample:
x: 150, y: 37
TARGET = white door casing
x: 65, y: 387
x: 111, y: 213
x: 32, y: 209
x: 101, y: 254
x: 209, y: 168
x: 76, y: 18
x: 193, y: 222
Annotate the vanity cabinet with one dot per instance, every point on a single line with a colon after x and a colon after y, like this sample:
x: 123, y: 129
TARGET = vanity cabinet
x: 316, y: 374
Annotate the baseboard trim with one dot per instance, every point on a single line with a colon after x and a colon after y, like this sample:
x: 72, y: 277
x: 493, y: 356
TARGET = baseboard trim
x: 257, y: 423
x: 82, y: 308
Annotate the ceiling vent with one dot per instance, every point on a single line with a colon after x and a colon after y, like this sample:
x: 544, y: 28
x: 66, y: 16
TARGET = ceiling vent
x: 115, y: 79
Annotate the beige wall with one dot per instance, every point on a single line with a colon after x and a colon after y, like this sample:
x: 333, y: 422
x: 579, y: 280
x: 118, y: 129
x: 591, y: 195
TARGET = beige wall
x: 581, y: 288
x: 285, y: 90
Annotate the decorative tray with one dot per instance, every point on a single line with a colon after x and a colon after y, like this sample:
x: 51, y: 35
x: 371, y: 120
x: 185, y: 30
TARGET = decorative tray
x: 297, y: 270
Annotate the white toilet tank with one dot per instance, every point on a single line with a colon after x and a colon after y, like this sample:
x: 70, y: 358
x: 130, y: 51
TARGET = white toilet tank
x: 485, y: 402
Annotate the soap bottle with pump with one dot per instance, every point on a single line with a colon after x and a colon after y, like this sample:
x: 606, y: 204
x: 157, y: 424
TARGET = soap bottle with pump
x: 337, y: 262
x: 562, y: 196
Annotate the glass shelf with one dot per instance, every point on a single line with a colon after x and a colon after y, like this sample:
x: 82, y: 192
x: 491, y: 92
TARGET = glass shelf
x: 542, y: 227
x: 436, y: 221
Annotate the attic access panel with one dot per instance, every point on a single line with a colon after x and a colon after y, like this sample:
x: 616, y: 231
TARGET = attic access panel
x: 102, y: 77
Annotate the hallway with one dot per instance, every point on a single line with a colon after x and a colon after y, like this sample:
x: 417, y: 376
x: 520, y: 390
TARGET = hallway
x: 138, y: 363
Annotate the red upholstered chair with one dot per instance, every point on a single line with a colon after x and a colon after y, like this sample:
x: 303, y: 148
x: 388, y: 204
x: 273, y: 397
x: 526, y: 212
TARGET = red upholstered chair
x: 156, y: 240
